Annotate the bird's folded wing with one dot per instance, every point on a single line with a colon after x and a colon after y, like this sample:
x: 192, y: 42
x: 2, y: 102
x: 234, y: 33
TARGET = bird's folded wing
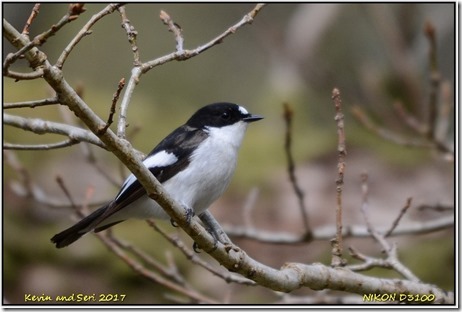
x: 170, y: 156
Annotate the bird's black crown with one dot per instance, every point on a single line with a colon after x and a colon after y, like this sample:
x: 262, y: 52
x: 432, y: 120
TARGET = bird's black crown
x: 220, y: 115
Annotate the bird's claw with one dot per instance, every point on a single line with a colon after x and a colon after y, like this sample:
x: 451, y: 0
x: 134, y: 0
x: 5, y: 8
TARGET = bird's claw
x: 198, y: 249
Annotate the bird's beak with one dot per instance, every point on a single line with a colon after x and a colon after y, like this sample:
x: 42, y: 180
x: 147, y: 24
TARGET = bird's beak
x: 252, y: 118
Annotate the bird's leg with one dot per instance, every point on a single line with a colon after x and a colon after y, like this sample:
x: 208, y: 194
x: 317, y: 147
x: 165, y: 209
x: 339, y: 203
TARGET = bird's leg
x: 213, y: 227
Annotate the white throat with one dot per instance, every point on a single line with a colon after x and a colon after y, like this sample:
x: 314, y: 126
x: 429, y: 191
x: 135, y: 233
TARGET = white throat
x: 228, y: 136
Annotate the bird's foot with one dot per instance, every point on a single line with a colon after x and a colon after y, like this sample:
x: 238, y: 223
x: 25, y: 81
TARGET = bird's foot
x: 189, y: 214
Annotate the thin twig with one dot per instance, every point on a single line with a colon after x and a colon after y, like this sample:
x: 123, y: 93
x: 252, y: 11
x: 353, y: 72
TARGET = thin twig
x: 337, y: 243
x: 32, y: 104
x: 27, y: 188
x: 132, y: 34
x: 288, y: 117
x: 84, y: 32
x: 40, y: 126
x: 410, y: 120
x: 115, y: 98
x: 398, y: 218
x: 138, y: 71
x: 73, y: 13
x: 149, y: 260
x: 139, y: 268
x: 435, y: 80
x: 362, y: 117
x: 33, y: 15
x: 190, y: 255
x: 66, y: 191
x: 24, y: 176
x: 186, y: 54
x: 174, y: 28
x: 436, y: 207
x: 17, y: 76
x: 392, y: 260
x: 40, y: 147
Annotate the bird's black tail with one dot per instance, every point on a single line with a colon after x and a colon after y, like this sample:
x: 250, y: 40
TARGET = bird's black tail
x: 76, y: 231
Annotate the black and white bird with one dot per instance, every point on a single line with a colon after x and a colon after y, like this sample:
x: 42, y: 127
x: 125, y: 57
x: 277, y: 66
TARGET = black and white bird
x: 194, y: 163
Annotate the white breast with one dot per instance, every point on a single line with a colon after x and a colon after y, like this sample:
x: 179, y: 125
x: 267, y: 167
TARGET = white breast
x: 210, y: 170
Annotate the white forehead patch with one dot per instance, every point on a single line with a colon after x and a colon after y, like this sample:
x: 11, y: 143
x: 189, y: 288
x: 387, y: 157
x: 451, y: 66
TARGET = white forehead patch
x: 243, y: 110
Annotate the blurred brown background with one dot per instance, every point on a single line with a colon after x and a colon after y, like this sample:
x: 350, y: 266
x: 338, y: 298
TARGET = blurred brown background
x: 296, y: 53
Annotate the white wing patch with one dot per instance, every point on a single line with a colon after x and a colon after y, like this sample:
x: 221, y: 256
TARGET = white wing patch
x: 243, y: 110
x: 160, y: 159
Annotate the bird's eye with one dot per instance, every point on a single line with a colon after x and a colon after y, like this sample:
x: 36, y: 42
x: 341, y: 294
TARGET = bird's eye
x: 225, y: 116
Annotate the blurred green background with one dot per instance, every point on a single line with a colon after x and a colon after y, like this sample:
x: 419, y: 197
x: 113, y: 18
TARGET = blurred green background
x: 295, y: 53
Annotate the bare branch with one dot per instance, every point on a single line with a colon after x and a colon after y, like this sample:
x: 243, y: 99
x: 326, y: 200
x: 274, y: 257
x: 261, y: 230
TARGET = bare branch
x: 337, y: 243
x: 110, y: 8
x: 436, y: 207
x: 132, y: 34
x: 21, y: 76
x: 33, y: 15
x: 391, y: 251
x: 137, y: 71
x: 410, y: 120
x: 149, y: 260
x: 31, y: 104
x: 151, y: 275
x: 190, y: 255
x: 288, y: 116
x: 74, y: 11
x: 435, y: 80
x: 40, y: 126
x: 27, y: 187
x: 326, y: 232
x: 401, y: 214
x: 115, y: 98
x: 174, y: 28
x: 66, y: 191
x: 362, y: 117
x: 39, y: 147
